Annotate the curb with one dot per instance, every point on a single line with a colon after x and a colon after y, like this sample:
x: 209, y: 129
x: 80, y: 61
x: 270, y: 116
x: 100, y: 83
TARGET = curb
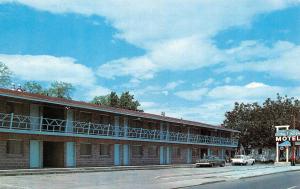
x: 298, y: 170
x: 22, y: 172
x: 205, y: 183
x: 226, y: 180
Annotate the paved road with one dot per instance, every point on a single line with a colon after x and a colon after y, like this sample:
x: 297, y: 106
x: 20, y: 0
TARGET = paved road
x: 288, y: 180
x: 146, y: 179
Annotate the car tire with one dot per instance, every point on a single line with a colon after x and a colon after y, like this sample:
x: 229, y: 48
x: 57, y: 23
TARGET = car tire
x: 253, y: 163
x: 222, y: 165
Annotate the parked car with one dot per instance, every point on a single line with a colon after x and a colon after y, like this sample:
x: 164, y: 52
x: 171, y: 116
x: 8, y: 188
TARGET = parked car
x: 210, y: 161
x: 242, y: 160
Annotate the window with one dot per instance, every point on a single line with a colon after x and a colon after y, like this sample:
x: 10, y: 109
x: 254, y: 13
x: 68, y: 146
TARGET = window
x: 14, y: 107
x: 14, y: 147
x: 104, y: 149
x: 85, y: 116
x: 176, y: 152
x: 152, y: 151
x: 85, y: 149
x: 9, y: 107
x: 196, y: 152
x: 137, y: 151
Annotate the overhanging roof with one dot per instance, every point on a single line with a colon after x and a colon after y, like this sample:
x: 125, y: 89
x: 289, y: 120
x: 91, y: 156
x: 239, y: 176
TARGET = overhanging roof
x: 89, y: 106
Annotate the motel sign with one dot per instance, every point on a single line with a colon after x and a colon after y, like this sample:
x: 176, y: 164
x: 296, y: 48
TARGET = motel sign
x: 284, y: 137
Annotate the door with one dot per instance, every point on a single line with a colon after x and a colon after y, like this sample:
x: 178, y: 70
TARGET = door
x: 35, y: 154
x: 70, y: 154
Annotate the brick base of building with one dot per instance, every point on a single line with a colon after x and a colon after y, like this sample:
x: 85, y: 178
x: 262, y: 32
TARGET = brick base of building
x: 149, y: 153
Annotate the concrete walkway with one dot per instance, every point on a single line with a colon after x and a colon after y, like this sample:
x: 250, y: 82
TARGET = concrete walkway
x: 162, y: 178
x: 16, y: 172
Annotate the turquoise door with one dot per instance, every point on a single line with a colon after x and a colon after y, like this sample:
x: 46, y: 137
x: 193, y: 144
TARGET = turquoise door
x: 70, y: 154
x: 35, y: 154
x: 126, y: 154
x: 116, y: 154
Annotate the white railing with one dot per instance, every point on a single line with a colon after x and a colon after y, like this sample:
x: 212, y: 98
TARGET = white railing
x: 40, y: 124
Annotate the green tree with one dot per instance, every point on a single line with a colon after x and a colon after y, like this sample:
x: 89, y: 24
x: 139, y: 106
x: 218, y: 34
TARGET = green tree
x: 61, y: 90
x: 100, y: 100
x: 33, y: 87
x: 127, y: 101
x: 256, y: 122
x: 5, y: 75
x: 111, y: 100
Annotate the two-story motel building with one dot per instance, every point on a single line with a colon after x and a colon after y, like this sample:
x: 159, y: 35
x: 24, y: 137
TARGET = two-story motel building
x: 38, y: 131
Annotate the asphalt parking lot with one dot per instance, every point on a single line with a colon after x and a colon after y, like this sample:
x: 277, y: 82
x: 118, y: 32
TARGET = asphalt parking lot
x: 164, y: 178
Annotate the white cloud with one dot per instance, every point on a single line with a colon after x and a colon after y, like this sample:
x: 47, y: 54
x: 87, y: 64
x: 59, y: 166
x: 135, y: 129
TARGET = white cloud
x: 175, y: 34
x: 205, y: 83
x: 172, y: 85
x: 254, y: 85
x: 280, y: 60
x: 253, y: 91
x: 194, y: 95
x: 209, y: 112
x: 96, y: 91
x: 157, y: 89
x: 250, y: 92
x: 48, y: 68
x: 221, y: 99
x: 148, y: 104
x: 139, y: 68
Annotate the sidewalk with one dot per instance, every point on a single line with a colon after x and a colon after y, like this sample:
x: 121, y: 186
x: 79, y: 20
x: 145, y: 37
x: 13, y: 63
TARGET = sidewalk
x: 146, y: 177
x: 16, y: 172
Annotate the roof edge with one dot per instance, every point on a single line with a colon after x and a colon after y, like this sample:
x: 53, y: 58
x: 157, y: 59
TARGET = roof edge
x: 86, y: 105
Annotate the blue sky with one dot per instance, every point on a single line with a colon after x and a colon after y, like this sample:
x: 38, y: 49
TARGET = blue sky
x: 190, y: 59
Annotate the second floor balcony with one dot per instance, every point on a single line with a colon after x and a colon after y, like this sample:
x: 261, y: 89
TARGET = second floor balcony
x: 47, y: 126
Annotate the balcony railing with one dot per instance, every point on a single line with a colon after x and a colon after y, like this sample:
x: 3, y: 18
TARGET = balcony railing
x: 52, y: 126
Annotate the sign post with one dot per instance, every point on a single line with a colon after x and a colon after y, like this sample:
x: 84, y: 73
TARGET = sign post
x: 281, y: 130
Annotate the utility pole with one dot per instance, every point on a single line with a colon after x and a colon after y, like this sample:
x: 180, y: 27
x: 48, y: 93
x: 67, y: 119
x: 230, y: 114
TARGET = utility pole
x: 293, y: 145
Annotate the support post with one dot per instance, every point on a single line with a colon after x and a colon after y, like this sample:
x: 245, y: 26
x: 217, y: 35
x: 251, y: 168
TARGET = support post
x: 117, y: 125
x: 34, y: 116
x: 208, y: 151
x: 161, y: 131
x: 11, y: 120
x: 69, y: 124
x: 277, y: 153
x: 287, y: 154
x: 41, y: 123
x: 189, y: 155
x: 188, y: 134
x: 223, y: 153
x: 168, y: 136
x: 125, y: 127
x: 89, y: 128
